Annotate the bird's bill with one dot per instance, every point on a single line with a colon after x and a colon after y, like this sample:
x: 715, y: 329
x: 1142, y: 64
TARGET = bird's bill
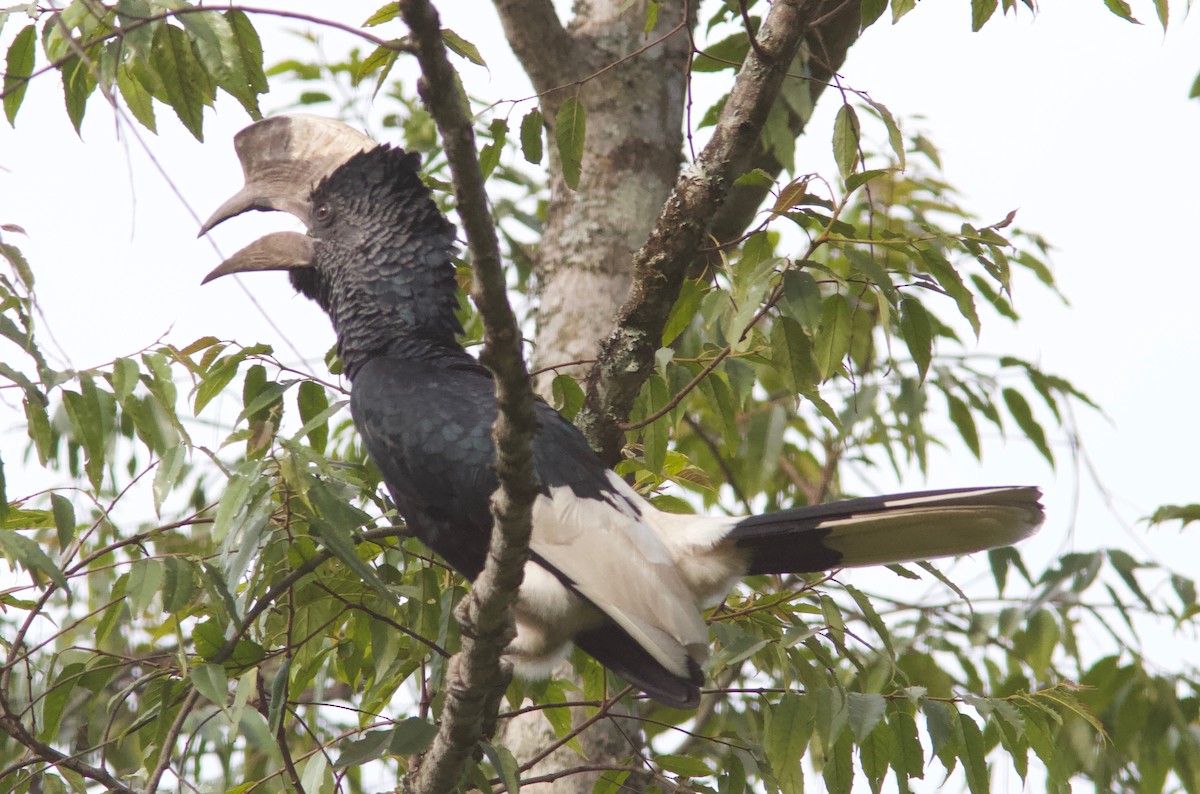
x: 283, y: 159
x: 275, y: 251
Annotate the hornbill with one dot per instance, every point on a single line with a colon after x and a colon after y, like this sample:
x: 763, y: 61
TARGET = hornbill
x: 608, y: 571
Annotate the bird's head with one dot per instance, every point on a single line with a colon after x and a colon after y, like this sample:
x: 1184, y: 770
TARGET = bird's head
x: 377, y: 255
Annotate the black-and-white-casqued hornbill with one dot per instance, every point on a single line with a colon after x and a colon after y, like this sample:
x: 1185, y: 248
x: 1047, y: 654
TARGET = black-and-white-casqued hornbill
x: 608, y: 572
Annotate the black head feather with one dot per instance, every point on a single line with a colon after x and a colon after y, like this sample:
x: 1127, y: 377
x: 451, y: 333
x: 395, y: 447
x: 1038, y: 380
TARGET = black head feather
x: 383, y: 267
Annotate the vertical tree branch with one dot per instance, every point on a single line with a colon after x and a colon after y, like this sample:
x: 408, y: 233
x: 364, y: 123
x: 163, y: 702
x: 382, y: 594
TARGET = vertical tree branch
x: 627, y: 356
x: 476, y: 678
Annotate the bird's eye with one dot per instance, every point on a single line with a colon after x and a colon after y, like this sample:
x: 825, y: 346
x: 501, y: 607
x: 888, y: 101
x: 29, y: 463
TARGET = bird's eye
x: 323, y: 212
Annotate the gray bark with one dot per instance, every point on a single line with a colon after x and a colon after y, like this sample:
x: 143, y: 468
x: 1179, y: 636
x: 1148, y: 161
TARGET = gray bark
x: 586, y: 264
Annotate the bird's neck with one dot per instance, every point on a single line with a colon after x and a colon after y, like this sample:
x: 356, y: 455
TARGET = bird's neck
x: 401, y: 304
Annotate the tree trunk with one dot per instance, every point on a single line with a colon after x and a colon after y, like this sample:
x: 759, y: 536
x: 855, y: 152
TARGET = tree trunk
x: 632, y: 85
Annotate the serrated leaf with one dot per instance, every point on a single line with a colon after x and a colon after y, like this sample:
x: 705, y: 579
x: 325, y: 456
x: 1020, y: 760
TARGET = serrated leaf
x: 1121, y: 9
x: 333, y: 521
x: 789, y: 726
x: 1183, y: 513
x: 29, y: 555
x: 570, y: 133
x: 489, y: 156
x: 506, y: 764
x: 186, y: 83
x: 918, y: 333
x: 137, y: 98
x: 792, y: 355
x: 833, y: 335
x: 871, y: 10
x: 855, y: 181
x: 964, y: 422
x: 531, y: 136
x: 567, y: 396
x: 312, y: 401
x: 683, y: 765
x: 247, y: 74
x: 974, y: 756
x: 895, y: 137
x: 864, y: 711
x: 846, y: 140
x: 18, y: 66
x: 1020, y: 410
x: 460, y: 46
x: 371, y: 746
x: 211, y: 682
x: 78, y: 85
x: 64, y: 519
x: 838, y: 773
x: 981, y: 12
x: 411, y: 736
x: 386, y: 13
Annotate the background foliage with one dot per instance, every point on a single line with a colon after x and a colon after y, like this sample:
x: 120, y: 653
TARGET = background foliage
x: 253, y: 617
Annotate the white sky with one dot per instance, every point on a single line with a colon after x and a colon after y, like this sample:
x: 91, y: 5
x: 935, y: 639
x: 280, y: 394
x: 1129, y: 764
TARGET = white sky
x: 1076, y: 118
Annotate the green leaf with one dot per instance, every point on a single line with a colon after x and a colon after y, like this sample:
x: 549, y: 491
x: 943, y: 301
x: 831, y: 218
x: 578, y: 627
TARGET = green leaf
x: 88, y: 425
x: 865, y: 711
x: 29, y: 555
x: 170, y: 467
x: 1184, y: 513
x: 570, y: 132
x: 64, y: 518
x: 567, y: 396
x: 370, y: 747
x: 411, y: 736
x: 312, y: 401
x: 871, y: 10
x: 838, y: 773
x: 949, y: 280
x: 531, y: 136
x: 506, y: 764
x: 460, y: 46
x: 845, y: 140
x: 78, y: 85
x: 178, y: 585
x: 981, y: 12
x: 875, y: 754
x: 1020, y: 410
x: 918, y: 333
x: 908, y: 757
x: 210, y: 680
x: 792, y: 355
x: 247, y: 68
x: 974, y: 756
x: 683, y: 765
x: 18, y: 67
x: 895, y: 137
x: 964, y: 422
x: 333, y: 520
x: 833, y: 335
x: 1121, y: 9
x: 278, y: 697
x: 900, y: 8
x: 386, y: 13
x: 1127, y: 567
x: 728, y: 53
x: 185, y: 81
x: 489, y: 156
x: 788, y: 728
x: 855, y: 181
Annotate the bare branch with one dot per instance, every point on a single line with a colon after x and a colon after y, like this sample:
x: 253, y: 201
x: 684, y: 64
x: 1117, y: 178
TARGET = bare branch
x: 627, y: 357
x: 477, y: 679
x: 827, y: 42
